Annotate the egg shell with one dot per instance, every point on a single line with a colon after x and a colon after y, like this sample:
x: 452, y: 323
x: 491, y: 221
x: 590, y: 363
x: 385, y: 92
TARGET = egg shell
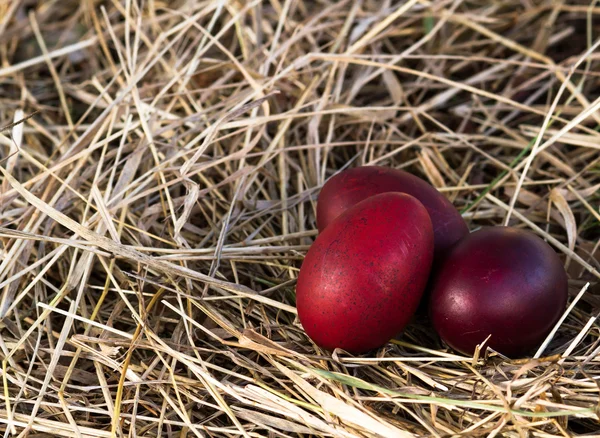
x: 503, y: 282
x: 351, y: 186
x: 363, y: 277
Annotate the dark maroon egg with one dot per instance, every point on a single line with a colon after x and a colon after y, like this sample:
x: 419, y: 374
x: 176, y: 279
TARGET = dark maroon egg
x: 503, y: 282
x: 364, y: 275
x: 351, y: 186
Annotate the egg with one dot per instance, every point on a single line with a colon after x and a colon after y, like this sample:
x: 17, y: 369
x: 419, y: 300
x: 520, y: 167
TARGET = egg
x: 503, y: 282
x: 363, y: 277
x: 351, y: 186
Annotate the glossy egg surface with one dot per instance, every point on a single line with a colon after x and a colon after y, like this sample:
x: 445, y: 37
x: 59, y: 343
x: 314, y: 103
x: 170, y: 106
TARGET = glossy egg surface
x: 363, y: 277
x: 503, y: 282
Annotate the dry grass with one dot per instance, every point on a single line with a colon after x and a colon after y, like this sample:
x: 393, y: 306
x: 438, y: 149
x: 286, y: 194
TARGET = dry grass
x: 156, y: 209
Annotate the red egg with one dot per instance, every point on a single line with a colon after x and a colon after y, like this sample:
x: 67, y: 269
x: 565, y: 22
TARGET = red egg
x: 363, y: 277
x: 503, y: 282
x: 351, y: 186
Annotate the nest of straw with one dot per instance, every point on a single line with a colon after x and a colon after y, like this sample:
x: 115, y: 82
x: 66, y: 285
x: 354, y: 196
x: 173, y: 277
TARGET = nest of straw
x: 160, y: 167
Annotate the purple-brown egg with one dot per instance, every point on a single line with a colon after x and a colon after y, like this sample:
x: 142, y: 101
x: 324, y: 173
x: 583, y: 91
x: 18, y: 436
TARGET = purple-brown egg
x: 503, y: 282
x: 351, y: 186
x: 363, y: 277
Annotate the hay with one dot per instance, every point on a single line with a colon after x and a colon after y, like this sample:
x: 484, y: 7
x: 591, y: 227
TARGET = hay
x: 156, y: 209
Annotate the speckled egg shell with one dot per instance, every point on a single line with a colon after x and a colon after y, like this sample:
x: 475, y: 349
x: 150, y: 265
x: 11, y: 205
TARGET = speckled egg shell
x: 364, y: 275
